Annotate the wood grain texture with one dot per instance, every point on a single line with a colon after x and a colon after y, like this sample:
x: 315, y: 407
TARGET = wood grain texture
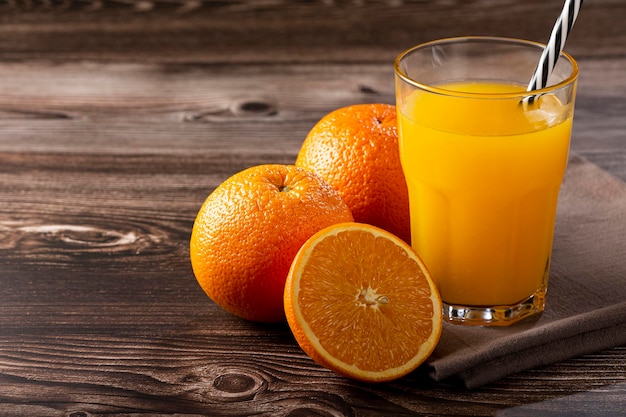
x: 101, y: 314
x: 216, y: 110
x: 284, y: 31
x: 117, y: 119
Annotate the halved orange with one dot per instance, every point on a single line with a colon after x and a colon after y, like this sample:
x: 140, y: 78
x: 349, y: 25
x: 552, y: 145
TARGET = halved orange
x: 360, y: 302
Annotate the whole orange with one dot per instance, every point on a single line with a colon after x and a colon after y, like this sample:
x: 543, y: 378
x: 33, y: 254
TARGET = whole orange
x: 355, y: 149
x: 249, y: 230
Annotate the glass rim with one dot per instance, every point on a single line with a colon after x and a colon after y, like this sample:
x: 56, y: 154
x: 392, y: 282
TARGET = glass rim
x: 571, y: 78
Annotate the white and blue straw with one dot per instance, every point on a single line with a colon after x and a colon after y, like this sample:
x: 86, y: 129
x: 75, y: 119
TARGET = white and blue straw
x: 555, y: 45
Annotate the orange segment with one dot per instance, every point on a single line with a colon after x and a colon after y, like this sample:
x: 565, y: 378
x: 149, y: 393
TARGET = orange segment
x: 360, y: 302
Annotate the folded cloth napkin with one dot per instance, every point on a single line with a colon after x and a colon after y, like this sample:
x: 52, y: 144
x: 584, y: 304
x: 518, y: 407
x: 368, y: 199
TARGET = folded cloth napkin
x: 586, y: 301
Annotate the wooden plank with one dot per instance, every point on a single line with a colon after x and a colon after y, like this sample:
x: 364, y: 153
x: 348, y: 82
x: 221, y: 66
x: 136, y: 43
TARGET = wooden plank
x: 201, y: 360
x: 283, y: 31
x: 216, y: 110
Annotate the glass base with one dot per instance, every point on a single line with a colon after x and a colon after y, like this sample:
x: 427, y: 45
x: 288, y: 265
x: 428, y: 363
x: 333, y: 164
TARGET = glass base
x: 496, y: 315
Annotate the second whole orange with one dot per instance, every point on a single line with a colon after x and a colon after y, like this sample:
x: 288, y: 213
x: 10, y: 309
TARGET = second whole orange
x: 250, y: 228
x: 355, y: 149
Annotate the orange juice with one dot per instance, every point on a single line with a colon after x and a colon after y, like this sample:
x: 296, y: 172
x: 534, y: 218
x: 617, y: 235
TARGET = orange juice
x: 484, y: 177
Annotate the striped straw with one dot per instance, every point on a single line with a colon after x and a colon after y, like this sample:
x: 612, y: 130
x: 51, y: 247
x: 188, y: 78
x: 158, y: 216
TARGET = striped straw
x: 555, y: 45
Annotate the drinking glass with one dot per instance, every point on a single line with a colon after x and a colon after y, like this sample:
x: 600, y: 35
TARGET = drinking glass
x: 484, y: 160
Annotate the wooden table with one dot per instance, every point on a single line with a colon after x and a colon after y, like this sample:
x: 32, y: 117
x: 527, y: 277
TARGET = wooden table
x: 119, y: 117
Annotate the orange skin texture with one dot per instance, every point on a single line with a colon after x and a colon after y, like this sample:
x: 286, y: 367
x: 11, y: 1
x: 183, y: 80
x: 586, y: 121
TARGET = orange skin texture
x: 250, y: 228
x: 355, y: 149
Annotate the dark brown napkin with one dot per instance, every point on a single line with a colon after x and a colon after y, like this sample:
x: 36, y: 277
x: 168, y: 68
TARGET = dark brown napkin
x: 586, y: 302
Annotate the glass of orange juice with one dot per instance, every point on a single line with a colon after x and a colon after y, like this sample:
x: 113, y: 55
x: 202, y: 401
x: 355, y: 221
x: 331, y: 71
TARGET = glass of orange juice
x: 484, y: 164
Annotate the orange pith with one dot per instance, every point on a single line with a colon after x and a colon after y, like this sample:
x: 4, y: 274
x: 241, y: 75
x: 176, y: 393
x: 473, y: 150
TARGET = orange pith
x: 360, y: 302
